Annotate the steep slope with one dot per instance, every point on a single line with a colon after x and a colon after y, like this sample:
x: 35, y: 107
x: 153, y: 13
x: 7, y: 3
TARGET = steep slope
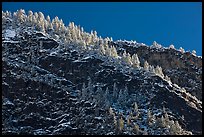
x: 55, y: 86
x: 183, y: 69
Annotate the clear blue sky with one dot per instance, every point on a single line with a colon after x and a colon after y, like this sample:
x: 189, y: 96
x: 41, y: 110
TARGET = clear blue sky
x: 178, y: 23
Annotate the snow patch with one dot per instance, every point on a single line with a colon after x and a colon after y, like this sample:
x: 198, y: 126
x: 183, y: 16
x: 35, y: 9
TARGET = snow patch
x: 10, y: 33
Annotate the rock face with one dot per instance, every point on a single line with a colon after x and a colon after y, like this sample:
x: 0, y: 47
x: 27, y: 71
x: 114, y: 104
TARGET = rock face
x: 50, y: 89
x: 183, y: 69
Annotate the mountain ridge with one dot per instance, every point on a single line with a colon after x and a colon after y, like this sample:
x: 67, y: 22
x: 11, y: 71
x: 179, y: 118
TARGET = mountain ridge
x: 74, y: 72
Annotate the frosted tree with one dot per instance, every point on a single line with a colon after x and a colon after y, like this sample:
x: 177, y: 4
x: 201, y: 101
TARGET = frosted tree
x: 146, y: 65
x: 32, y: 71
x: 40, y: 24
x: 82, y: 44
x: 108, y: 51
x: 84, y: 92
x: 106, y: 40
x: 6, y: 14
x: 113, y: 52
x: 175, y: 128
x: 161, y: 122
x: 158, y: 71
x: 115, y: 92
x: 111, y: 112
x: 14, y: 22
x: 107, y: 93
x: 99, y: 96
x: 181, y: 50
x: 94, y: 37
x: 35, y: 18
x: 136, y: 129
x: 166, y: 118
x: 135, y: 107
x: 30, y: 18
x: 90, y: 86
x: 55, y: 24
x: 123, y: 96
x: 127, y: 58
x: 167, y: 78
x: 102, y: 49
x: 48, y: 25
x: 115, y: 121
x: 21, y: 15
x: 155, y: 44
x: 151, y: 69
x: 149, y: 117
x: 79, y: 33
x: 194, y: 52
x: 62, y: 29
x: 107, y: 98
x: 171, y: 46
x: 68, y: 36
x: 126, y: 96
x: 135, y: 61
x: 178, y: 127
x: 121, y: 124
x: 183, y: 89
x: 4, y: 22
x: 48, y: 19
x: 128, y: 120
x: 41, y: 16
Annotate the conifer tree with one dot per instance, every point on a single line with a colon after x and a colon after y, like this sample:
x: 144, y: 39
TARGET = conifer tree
x: 135, y: 61
x: 114, y: 52
x: 194, y: 52
x: 146, y: 65
x: 181, y: 50
x: 158, y: 71
x: 115, y: 92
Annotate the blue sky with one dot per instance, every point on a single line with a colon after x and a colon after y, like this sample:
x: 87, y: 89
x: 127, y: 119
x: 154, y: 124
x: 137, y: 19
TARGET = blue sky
x: 178, y: 23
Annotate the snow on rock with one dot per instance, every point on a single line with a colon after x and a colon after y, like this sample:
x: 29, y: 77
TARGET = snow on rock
x: 10, y: 33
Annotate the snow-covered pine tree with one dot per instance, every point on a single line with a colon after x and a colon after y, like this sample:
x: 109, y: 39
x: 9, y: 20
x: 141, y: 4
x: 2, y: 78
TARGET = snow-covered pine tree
x: 115, y: 92
x: 21, y: 17
x: 146, y: 65
x: 181, y: 50
x: 135, y: 107
x: 171, y: 46
x: 30, y: 18
x: 84, y: 92
x: 135, y: 61
x: 126, y: 58
x: 55, y: 24
x: 114, y: 52
x: 167, y: 78
x: 156, y: 45
x: 194, y: 52
x: 111, y: 112
x: 40, y: 22
x: 102, y: 49
x: 90, y: 86
x: 108, y: 51
x: 108, y: 97
x: 99, y: 96
x: 149, y: 117
x: 158, y: 71
x: 151, y: 69
x: 35, y: 18
x: 121, y: 124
